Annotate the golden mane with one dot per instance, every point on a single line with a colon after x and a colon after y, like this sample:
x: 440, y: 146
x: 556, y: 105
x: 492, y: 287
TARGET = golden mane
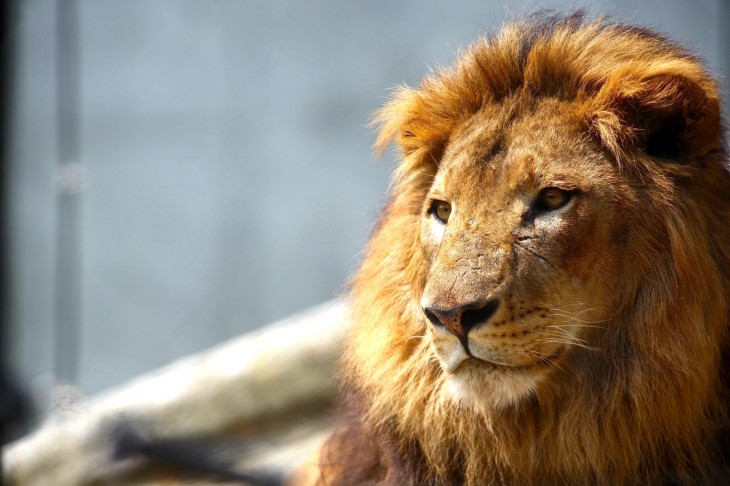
x: 654, y: 405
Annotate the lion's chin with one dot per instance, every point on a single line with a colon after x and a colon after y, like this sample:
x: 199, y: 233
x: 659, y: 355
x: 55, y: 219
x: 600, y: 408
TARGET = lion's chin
x: 486, y: 387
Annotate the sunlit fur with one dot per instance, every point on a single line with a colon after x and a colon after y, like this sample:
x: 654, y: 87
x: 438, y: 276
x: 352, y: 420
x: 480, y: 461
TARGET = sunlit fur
x: 635, y: 274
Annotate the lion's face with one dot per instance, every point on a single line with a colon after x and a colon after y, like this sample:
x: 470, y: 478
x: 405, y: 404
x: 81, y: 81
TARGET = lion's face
x: 520, y: 227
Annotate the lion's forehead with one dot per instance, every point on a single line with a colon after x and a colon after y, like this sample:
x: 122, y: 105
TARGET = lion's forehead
x: 509, y: 155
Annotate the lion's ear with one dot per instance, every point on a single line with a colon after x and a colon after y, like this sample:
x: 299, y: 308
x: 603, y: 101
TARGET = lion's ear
x: 672, y: 112
x: 418, y: 121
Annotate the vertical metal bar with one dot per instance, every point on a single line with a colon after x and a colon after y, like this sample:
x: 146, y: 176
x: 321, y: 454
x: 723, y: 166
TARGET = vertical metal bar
x: 69, y: 183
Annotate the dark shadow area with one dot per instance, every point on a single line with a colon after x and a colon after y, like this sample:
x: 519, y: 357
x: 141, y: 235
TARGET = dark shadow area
x: 14, y: 406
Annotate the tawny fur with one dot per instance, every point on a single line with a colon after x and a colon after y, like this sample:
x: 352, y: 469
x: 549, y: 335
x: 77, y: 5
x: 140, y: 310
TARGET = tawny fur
x: 639, y: 397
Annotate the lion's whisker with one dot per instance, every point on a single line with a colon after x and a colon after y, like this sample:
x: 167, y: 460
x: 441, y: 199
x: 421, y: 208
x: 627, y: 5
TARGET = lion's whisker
x: 573, y: 318
x: 578, y: 326
x: 545, y: 358
x: 563, y: 333
x: 571, y: 343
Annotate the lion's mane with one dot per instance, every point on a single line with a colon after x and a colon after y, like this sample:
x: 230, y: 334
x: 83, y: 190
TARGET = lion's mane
x: 655, y: 408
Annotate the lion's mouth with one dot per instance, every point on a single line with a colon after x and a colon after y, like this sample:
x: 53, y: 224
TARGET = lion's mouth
x: 473, y: 362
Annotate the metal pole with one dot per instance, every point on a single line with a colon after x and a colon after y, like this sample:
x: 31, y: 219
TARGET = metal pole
x: 70, y: 179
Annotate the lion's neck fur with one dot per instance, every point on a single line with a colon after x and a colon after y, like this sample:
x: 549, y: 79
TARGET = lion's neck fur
x: 617, y: 414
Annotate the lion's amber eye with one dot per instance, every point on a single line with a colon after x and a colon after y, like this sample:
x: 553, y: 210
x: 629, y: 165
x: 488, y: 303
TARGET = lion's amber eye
x: 552, y: 198
x: 441, y: 210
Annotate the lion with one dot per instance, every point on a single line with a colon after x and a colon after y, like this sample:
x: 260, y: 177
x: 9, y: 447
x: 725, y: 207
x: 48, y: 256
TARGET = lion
x: 545, y: 297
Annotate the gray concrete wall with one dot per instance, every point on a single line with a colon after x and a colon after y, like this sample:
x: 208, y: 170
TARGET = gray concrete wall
x: 230, y: 176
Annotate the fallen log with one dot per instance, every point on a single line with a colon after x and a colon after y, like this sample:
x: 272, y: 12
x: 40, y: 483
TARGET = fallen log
x: 249, y: 387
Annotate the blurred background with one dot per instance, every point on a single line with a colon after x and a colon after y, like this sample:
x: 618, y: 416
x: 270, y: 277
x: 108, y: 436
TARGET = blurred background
x: 179, y: 172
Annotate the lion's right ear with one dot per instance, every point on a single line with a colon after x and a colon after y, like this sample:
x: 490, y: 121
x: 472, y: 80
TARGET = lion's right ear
x: 669, y: 110
x: 419, y: 122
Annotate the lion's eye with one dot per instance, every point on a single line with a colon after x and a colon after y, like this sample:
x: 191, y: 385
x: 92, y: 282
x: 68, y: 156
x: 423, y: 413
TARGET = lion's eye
x: 441, y: 210
x: 552, y: 198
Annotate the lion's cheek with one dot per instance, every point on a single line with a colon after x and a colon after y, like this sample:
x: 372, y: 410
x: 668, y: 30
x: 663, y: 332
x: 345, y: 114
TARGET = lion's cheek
x: 585, y: 248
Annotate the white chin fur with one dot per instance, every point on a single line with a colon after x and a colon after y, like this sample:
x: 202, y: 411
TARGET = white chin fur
x: 494, y: 391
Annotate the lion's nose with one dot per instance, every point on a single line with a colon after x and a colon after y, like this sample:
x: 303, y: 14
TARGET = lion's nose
x: 462, y: 319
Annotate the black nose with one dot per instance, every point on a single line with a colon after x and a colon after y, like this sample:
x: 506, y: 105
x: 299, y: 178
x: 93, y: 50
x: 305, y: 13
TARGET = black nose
x: 462, y: 319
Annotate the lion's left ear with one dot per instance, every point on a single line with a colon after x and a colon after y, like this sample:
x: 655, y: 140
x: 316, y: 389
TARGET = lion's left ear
x: 671, y: 112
